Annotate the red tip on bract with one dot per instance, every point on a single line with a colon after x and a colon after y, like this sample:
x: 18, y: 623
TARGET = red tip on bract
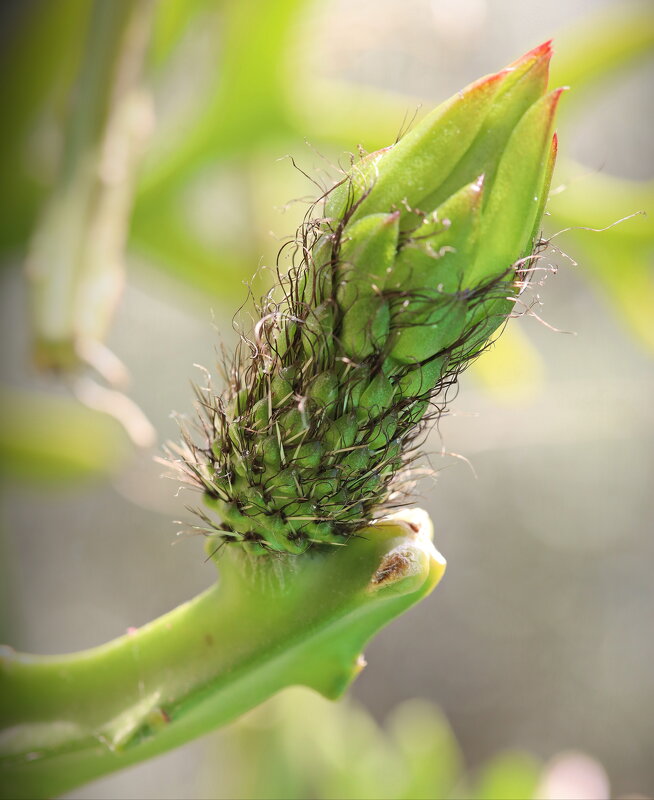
x: 555, y: 96
x: 538, y: 58
x: 541, y: 53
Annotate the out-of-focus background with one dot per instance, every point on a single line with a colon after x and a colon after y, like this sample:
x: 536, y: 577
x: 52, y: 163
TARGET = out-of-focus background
x: 146, y: 168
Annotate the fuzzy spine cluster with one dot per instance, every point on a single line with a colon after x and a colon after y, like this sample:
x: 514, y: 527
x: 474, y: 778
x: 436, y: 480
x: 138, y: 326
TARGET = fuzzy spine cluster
x: 326, y: 402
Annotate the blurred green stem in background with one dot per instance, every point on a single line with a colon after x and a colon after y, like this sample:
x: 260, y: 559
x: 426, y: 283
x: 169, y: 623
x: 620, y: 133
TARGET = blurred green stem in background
x: 51, y: 34
x: 75, y: 258
x: 268, y: 623
x: 593, y: 52
x: 602, y: 46
x: 297, y: 745
x: 612, y: 237
x: 50, y: 440
x: 345, y: 753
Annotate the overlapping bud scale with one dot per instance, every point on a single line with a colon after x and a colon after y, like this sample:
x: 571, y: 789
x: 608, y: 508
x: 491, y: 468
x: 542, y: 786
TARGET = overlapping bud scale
x: 415, y: 264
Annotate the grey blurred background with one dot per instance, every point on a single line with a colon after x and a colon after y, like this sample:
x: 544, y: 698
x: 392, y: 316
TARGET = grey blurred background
x: 542, y: 632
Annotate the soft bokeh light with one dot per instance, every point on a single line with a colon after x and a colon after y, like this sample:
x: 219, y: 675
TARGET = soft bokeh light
x: 540, y: 636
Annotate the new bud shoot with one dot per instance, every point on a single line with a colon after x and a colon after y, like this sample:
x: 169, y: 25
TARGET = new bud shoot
x: 412, y: 268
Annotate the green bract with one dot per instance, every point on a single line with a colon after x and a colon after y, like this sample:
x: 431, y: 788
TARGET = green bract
x: 414, y: 265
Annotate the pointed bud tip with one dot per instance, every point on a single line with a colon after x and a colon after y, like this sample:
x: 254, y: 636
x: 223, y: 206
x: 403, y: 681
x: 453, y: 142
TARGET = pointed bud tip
x: 543, y: 50
x: 554, y: 97
x: 536, y: 62
x: 541, y: 53
x: 538, y: 57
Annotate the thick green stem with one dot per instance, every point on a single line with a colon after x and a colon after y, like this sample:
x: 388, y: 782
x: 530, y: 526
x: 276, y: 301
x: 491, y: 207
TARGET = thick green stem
x: 75, y: 257
x: 271, y: 622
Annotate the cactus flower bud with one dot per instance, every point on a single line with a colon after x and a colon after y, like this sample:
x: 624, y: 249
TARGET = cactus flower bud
x: 413, y: 267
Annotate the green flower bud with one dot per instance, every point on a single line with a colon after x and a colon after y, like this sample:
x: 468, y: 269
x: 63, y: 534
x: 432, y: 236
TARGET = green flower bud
x: 412, y: 268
